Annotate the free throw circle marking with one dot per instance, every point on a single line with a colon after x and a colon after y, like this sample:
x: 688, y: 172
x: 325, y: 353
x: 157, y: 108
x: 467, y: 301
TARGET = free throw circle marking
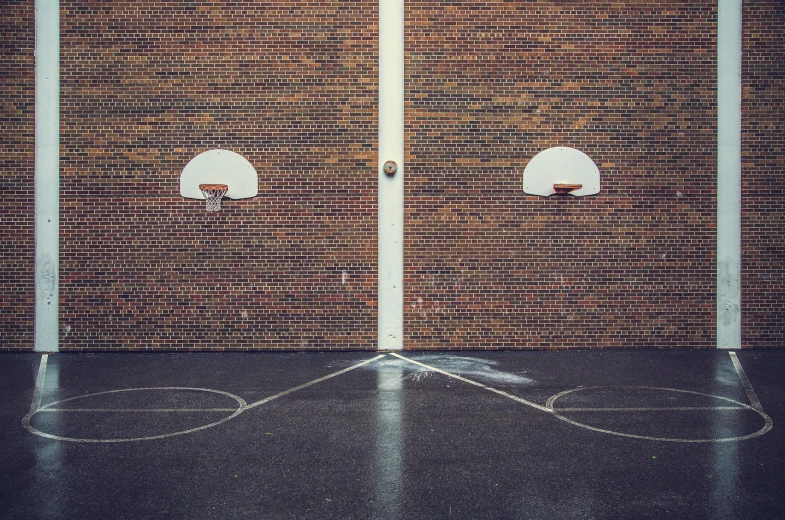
x: 58, y: 407
x: 728, y: 404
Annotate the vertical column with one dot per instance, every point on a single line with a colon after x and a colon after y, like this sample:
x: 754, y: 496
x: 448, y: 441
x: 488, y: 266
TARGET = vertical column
x: 729, y: 174
x: 47, y: 174
x: 390, y: 183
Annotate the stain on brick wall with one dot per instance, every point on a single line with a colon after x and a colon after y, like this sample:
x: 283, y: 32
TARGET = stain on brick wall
x: 17, y: 167
x: 491, y: 84
x: 763, y: 174
x: 147, y: 86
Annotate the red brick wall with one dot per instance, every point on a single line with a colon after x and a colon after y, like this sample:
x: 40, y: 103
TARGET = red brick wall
x: 147, y: 86
x: 17, y: 173
x: 489, y: 85
x: 763, y: 173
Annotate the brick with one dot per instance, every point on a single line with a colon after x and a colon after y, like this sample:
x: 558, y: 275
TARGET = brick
x: 146, y: 86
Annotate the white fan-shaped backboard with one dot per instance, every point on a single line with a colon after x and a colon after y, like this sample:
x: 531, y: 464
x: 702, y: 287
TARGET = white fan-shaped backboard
x: 219, y: 167
x: 561, y: 165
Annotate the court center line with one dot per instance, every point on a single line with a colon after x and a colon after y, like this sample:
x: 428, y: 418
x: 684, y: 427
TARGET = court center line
x: 136, y: 410
x: 309, y: 383
x: 39, y: 384
x: 751, y: 395
x: 475, y: 383
x: 652, y: 409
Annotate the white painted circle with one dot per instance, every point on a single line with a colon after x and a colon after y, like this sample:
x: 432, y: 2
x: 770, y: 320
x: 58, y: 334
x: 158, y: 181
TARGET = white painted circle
x: 238, y: 407
x: 560, y: 413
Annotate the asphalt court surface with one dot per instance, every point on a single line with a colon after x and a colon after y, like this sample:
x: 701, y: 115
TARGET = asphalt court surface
x: 579, y: 434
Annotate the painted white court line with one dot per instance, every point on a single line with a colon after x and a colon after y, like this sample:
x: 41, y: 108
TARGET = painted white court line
x: 136, y: 410
x: 315, y: 381
x: 731, y: 404
x: 653, y: 409
x: 40, y: 381
x: 557, y: 412
x: 475, y: 383
x: 26, y: 421
x: 751, y: 395
x: 234, y: 412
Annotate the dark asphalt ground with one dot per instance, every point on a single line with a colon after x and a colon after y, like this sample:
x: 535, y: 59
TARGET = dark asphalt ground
x: 533, y: 435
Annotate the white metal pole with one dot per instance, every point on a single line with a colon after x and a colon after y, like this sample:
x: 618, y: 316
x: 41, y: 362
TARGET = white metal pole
x: 47, y: 174
x: 729, y: 28
x: 391, y: 35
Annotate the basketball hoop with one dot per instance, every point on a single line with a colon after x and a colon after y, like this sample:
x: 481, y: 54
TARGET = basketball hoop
x: 566, y: 189
x: 213, y: 193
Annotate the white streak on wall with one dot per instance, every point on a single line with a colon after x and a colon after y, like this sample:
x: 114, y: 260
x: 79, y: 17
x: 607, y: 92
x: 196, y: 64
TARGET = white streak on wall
x: 391, y: 188
x: 729, y: 174
x: 47, y: 174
